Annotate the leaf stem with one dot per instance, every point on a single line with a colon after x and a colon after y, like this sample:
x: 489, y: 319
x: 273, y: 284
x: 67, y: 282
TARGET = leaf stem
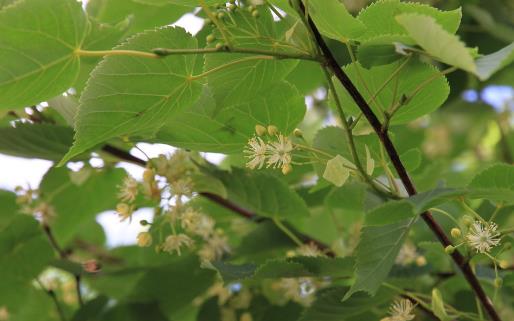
x: 286, y: 231
x: 225, y: 49
x: 115, y: 52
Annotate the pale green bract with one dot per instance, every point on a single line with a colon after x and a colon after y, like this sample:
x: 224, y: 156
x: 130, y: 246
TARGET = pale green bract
x: 436, y: 41
x: 134, y: 96
x: 38, y: 39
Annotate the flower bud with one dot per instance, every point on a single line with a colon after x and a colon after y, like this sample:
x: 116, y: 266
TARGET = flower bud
x: 467, y: 220
x: 298, y: 132
x: 449, y: 249
x: 272, y: 130
x: 498, y: 282
x: 210, y: 38
x: 421, y: 261
x: 456, y: 233
x: 148, y: 175
x: 221, y: 15
x: 144, y: 239
x: 255, y: 14
x: 123, y: 208
x: 286, y: 169
x: 219, y: 45
x: 260, y: 130
x: 504, y: 264
x: 144, y: 223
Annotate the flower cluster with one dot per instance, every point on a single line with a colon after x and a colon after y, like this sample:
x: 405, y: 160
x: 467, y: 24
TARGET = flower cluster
x: 180, y: 225
x: 276, y: 152
x: 31, y: 204
x: 401, y: 310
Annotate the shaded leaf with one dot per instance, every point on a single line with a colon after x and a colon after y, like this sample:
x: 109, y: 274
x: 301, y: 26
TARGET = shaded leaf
x: 45, y: 141
x: 376, y: 253
x: 495, y: 183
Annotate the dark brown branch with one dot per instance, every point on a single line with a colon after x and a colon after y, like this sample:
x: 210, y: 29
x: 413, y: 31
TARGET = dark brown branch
x: 121, y: 154
x: 373, y: 120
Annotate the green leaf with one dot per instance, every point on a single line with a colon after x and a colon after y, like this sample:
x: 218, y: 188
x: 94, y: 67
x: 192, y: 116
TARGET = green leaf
x: 376, y: 253
x: 328, y: 305
x: 405, y: 83
x: 235, y: 78
x: 262, y: 193
x: 189, y: 3
x: 38, y: 40
x: 436, y: 41
x: 489, y: 64
x: 101, y: 36
x: 336, y: 171
x: 136, y: 96
x: 381, y: 50
x: 25, y: 252
x: 301, y: 266
x: 45, y: 141
x: 72, y: 203
x: 142, y: 16
x: 133, y: 312
x: 227, y: 130
x: 166, y: 284
x: 379, y: 17
x: 495, y: 183
x: 431, y: 198
x: 264, y: 241
x: 389, y: 213
x: 67, y: 107
x: 8, y: 206
x: 334, y: 21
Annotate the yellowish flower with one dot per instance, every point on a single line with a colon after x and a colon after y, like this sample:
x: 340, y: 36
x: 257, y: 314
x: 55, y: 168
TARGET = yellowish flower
x: 144, y: 239
x: 401, y: 310
x: 124, y: 211
x: 128, y: 190
x: 280, y: 152
x: 309, y: 249
x: 174, y: 243
x: 256, y: 152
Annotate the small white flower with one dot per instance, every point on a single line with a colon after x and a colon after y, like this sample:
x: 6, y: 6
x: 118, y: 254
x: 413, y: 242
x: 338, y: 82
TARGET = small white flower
x: 175, y: 242
x: 197, y: 223
x: 256, y: 151
x: 309, y: 249
x: 407, y: 254
x: 280, y: 152
x: 215, y: 247
x: 128, y: 189
x: 401, y: 310
x: 483, y: 236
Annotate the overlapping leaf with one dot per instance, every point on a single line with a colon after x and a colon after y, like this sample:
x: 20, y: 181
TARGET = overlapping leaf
x: 422, y: 85
x: 135, y: 96
x: 38, y: 40
x: 204, y: 128
x: 239, y: 77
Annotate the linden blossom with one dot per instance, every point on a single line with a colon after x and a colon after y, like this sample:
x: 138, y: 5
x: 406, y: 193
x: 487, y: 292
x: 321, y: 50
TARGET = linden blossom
x: 401, y: 310
x: 483, y: 236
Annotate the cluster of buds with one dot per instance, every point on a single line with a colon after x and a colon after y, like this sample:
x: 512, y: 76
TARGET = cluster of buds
x: 275, y: 152
x: 27, y: 199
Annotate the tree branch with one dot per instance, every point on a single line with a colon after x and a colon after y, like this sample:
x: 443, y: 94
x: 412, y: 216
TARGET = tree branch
x: 375, y: 123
